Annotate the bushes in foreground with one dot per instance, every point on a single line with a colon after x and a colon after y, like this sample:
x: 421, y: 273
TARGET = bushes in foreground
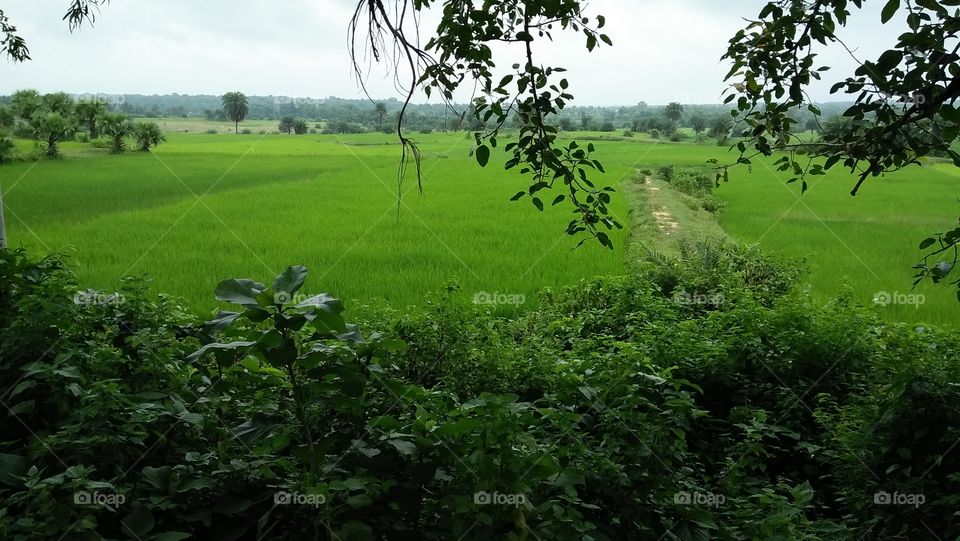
x: 695, y: 399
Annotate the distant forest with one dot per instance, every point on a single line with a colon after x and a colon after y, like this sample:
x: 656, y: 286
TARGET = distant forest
x: 356, y: 115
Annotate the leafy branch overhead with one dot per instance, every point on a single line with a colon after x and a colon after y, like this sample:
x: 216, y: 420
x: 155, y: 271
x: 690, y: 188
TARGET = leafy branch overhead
x: 460, y: 55
x: 904, y: 102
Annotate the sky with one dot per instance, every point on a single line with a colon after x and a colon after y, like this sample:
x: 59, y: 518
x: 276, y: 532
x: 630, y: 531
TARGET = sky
x: 664, y: 50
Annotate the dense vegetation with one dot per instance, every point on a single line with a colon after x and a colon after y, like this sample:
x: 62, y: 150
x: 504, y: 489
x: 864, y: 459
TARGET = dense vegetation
x: 698, y: 398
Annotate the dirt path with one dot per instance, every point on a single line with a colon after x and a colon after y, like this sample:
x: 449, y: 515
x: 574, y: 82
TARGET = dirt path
x: 665, y: 220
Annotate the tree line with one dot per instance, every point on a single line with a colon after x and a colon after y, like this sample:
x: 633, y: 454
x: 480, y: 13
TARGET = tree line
x: 51, y: 119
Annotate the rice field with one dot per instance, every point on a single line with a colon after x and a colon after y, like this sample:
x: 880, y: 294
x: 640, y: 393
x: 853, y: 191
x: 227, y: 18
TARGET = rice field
x: 203, y: 207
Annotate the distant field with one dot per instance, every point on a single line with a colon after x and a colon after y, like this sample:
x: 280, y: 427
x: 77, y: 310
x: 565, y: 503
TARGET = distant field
x: 211, y: 206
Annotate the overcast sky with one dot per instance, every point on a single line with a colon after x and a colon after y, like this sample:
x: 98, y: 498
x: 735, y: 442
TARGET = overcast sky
x: 664, y: 50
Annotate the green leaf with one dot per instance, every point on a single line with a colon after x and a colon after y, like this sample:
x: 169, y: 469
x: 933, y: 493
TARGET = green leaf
x: 11, y: 468
x: 138, y: 522
x: 239, y: 291
x: 483, y: 155
x: 291, y: 279
x: 889, y: 10
x: 927, y: 243
x: 216, y: 345
x: 258, y: 427
x: 158, y: 478
x: 404, y: 447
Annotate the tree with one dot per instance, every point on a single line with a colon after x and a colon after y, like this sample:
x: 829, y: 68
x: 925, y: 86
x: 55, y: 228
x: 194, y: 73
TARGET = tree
x: 380, y: 109
x: 25, y: 103
x: 286, y: 124
x: 52, y: 128
x: 673, y: 111
x: 148, y: 135
x: 58, y: 102
x: 236, y: 107
x: 720, y: 126
x: 7, y: 118
x: 88, y: 113
x: 300, y: 127
x: 585, y: 121
x: 698, y: 121
x: 117, y: 127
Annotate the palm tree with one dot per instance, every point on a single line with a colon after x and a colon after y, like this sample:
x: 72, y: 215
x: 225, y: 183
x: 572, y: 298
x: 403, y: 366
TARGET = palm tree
x: 673, y: 111
x: 236, y: 107
x: 89, y: 113
x: 52, y: 128
x: 380, y: 109
x: 148, y: 135
x: 116, y: 126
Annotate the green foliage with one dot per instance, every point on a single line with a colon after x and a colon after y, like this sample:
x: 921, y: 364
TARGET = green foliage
x: 236, y: 107
x: 25, y: 103
x: 286, y: 124
x: 89, y: 113
x: 117, y: 127
x: 148, y: 135
x: 7, y: 118
x: 904, y: 101
x: 702, y: 396
x: 52, y: 128
x: 300, y: 127
x: 7, y: 147
x: 673, y: 112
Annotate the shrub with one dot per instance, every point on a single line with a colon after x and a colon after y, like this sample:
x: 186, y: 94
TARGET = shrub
x: 211, y: 131
x: 628, y: 133
x: 81, y: 137
x: 148, y: 135
x: 654, y: 133
x: 665, y: 172
x: 246, y: 131
x: 712, y: 204
x: 705, y: 375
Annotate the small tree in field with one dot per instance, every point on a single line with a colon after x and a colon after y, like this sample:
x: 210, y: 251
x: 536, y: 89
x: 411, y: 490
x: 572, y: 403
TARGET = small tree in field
x: 52, y: 128
x: 300, y: 127
x: 286, y: 124
x: 88, y: 114
x: 117, y: 127
x: 236, y: 107
x: 148, y: 135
